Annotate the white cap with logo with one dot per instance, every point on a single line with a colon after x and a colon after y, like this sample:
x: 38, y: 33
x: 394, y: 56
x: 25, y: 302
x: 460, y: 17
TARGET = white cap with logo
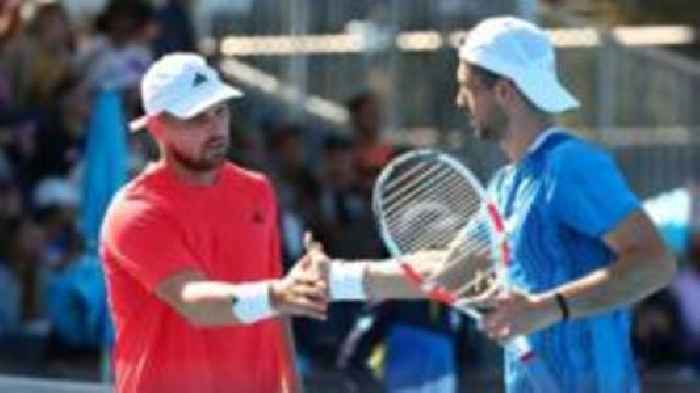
x: 523, y: 53
x: 183, y: 85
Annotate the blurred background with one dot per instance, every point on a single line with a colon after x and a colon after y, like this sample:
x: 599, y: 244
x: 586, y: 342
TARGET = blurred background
x: 334, y: 89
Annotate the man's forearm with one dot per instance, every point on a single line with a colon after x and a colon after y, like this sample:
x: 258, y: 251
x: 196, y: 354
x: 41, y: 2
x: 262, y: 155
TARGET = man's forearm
x: 210, y: 303
x: 201, y: 301
x: 628, y: 280
x: 384, y: 279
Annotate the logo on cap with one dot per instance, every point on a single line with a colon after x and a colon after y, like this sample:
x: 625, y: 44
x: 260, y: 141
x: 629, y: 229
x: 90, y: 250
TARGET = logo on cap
x: 199, y: 78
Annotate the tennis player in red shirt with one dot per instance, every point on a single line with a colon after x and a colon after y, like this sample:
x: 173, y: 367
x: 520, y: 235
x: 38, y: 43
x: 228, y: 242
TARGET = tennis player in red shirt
x: 192, y: 255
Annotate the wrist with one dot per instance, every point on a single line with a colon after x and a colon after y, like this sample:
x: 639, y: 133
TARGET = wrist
x: 563, y: 306
x: 346, y: 280
x: 275, y: 293
x: 549, y: 306
x: 254, y: 301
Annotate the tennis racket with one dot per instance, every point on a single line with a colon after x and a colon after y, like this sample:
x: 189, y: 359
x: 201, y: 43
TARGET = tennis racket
x: 426, y: 201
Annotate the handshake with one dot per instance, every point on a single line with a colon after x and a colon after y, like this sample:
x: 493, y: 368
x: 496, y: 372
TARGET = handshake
x: 304, y: 291
x: 316, y: 280
x: 466, y: 282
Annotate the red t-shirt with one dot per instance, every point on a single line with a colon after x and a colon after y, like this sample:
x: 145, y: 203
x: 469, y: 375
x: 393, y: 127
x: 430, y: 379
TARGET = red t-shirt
x: 157, y: 226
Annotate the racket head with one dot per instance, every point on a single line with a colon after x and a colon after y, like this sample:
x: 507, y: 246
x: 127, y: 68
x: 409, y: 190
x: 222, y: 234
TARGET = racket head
x: 425, y: 200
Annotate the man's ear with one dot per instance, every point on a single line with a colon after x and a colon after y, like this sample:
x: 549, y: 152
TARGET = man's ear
x: 501, y: 92
x: 507, y: 93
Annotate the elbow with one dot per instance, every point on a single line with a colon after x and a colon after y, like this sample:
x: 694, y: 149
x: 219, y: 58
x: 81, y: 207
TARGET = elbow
x: 669, y: 267
x: 202, y: 314
x: 195, y: 312
x: 204, y: 319
x: 192, y: 315
x: 197, y: 320
x: 663, y: 270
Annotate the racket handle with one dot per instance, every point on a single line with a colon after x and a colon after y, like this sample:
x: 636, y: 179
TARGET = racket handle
x: 541, y: 380
x: 522, y: 348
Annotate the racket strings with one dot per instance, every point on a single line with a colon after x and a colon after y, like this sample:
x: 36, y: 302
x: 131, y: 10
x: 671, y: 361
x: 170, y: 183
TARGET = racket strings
x: 416, y: 189
x: 415, y: 225
x: 435, y: 237
x: 428, y: 204
x: 453, y: 193
x: 403, y: 176
x: 432, y: 219
x: 429, y: 230
x: 410, y: 178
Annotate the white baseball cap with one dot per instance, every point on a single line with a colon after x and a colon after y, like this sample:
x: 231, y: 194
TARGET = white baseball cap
x: 181, y: 84
x: 523, y: 53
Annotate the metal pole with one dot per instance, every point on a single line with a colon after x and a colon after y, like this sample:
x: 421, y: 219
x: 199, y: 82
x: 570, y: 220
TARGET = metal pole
x: 606, y: 82
x: 394, y: 113
x: 297, y: 67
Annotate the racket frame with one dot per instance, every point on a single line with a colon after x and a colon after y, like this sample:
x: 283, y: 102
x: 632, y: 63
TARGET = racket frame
x: 496, y: 223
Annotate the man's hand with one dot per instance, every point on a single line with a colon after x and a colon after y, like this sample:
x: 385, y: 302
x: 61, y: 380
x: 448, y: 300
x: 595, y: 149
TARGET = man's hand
x: 317, y: 263
x: 517, y: 313
x: 300, y: 293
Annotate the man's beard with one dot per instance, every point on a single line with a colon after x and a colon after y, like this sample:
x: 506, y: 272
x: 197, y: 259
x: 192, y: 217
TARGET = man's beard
x: 494, y: 127
x: 202, y: 164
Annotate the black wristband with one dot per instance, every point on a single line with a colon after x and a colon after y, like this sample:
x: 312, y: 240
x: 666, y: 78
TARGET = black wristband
x: 563, y: 306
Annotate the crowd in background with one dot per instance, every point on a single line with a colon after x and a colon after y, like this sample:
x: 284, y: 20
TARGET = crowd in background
x: 52, y: 304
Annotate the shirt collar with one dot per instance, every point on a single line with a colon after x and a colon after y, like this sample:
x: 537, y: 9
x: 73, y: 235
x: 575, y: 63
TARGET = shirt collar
x: 541, y: 138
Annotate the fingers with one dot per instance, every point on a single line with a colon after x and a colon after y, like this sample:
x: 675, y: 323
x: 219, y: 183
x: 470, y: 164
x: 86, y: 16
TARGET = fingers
x: 312, y: 289
x: 506, y: 319
x: 510, y: 313
x: 307, y: 287
x: 306, y: 301
x: 480, y: 305
x: 304, y: 297
x: 480, y: 297
x: 308, y: 239
x: 315, y: 260
x: 304, y: 307
x: 312, y: 246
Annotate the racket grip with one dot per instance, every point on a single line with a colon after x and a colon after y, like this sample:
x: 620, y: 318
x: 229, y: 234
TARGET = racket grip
x: 522, y: 348
x: 537, y: 372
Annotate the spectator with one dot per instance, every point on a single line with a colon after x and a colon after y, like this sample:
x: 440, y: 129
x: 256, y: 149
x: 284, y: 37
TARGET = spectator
x: 10, y: 313
x: 296, y: 186
x: 341, y: 203
x: 10, y: 286
x: 21, y: 149
x: 176, y: 29
x: 61, y: 136
x: 659, y: 334
x: 371, y: 151
x: 23, y: 256
x: 120, y: 54
x: 14, y: 57
x: 51, y: 46
x: 75, y: 296
x: 686, y: 288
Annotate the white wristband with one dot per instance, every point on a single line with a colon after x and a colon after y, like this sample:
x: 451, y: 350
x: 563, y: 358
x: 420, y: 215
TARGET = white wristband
x: 252, y: 302
x: 346, y: 281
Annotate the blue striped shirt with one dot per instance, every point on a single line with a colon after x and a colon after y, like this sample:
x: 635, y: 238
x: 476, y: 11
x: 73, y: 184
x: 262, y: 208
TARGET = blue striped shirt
x: 558, y: 203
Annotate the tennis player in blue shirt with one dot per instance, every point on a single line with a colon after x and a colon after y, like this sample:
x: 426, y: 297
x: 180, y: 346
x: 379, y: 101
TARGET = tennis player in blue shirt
x: 583, y: 249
